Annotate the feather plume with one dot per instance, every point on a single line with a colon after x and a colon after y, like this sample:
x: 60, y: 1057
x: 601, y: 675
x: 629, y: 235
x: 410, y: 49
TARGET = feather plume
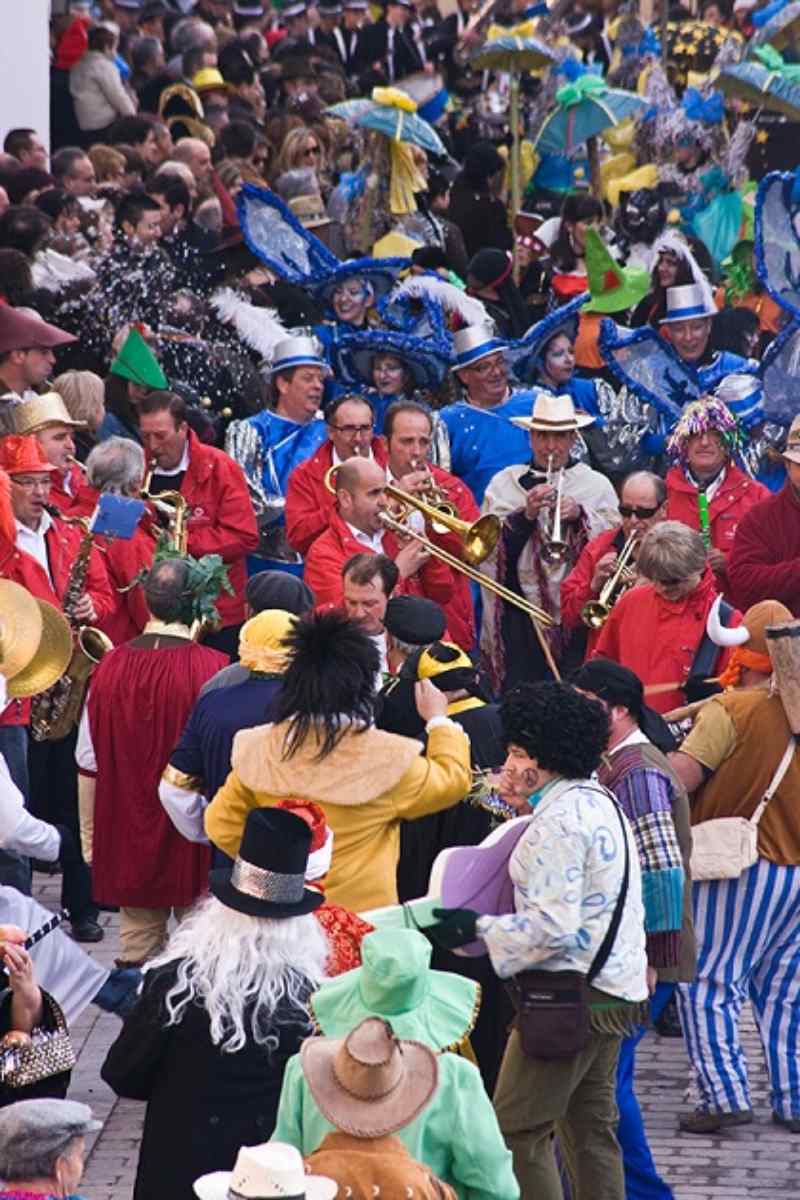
x: 259, y: 328
x: 452, y: 299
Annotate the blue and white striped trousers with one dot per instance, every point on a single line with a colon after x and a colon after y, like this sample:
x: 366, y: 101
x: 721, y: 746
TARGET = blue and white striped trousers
x: 748, y: 934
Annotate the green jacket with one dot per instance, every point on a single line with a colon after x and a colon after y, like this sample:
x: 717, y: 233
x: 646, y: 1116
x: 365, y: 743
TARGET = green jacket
x: 456, y: 1136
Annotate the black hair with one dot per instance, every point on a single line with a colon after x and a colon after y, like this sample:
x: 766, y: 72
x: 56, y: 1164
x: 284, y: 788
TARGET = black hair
x: 553, y: 723
x: 578, y: 206
x: 160, y: 401
x: 132, y: 131
x: 400, y: 406
x: 729, y: 328
x: 55, y: 202
x: 331, y: 409
x: 16, y: 281
x: 100, y: 38
x: 237, y: 140
x: 172, y: 189
x: 62, y: 164
x: 132, y: 208
x: 17, y: 141
x: 165, y: 590
x: 363, y: 568
x: 329, y: 684
x: 23, y: 228
x: 658, y: 293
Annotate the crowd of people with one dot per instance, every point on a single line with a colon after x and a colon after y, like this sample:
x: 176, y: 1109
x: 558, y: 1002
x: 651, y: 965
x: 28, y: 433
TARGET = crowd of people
x: 399, y: 537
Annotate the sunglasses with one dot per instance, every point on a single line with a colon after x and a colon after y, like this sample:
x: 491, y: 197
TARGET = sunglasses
x: 636, y: 510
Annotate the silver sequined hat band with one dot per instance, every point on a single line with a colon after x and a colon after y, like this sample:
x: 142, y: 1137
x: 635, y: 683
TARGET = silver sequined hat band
x: 267, y: 885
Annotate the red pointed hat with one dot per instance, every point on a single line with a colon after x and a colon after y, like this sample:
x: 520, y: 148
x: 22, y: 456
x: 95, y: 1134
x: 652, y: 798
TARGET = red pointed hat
x: 23, y: 456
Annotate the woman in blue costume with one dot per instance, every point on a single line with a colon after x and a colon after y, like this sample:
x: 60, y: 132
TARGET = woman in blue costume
x: 389, y: 366
x: 545, y: 359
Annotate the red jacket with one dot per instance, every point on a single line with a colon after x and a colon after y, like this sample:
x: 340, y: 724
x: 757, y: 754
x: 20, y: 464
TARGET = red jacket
x: 309, y: 504
x: 63, y: 498
x: 658, y: 639
x: 737, y: 494
x: 460, y: 611
x: 124, y: 560
x: 221, y: 519
x: 63, y: 542
x: 331, y: 550
x: 765, y: 563
x: 576, y: 589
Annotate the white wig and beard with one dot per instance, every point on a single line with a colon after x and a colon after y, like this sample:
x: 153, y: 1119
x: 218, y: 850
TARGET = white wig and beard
x: 242, y: 969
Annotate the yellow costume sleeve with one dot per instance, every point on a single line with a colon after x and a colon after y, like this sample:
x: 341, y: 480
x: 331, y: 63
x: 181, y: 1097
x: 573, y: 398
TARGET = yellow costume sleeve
x: 439, y: 778
x: 226, y: 815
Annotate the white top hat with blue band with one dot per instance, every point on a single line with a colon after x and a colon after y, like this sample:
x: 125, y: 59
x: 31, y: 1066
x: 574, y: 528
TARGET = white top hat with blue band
x: 472, y: 344
x: 296, y: 351
x: 689, y: 302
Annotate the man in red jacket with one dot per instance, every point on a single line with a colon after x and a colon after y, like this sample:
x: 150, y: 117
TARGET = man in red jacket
x: 309, y: 503
x: 658, y: 628
x: 408, y: 429
x: 642, y: 505
x: 220, y: 513
x: 41, y: 559
x: 765, y: 563
x: 705, y: 489
x: 356, y: 526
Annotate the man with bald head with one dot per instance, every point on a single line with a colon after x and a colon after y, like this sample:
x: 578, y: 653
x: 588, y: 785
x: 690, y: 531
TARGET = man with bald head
x: 642, y: 504
x: 197, y: 157
x: 356, y: 525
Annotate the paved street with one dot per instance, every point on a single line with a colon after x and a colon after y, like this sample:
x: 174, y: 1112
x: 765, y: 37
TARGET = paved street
x: 755, y: 1162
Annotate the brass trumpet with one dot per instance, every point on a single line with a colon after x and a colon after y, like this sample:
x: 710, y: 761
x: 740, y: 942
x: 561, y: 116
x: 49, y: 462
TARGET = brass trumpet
x: 554, y: 550
x: 596, y: 612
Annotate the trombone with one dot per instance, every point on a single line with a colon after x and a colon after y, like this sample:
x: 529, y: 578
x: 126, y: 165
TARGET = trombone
x: 172, y: 505
x: 595, y: 613
x: 554, y: 550
x: 478, y: 539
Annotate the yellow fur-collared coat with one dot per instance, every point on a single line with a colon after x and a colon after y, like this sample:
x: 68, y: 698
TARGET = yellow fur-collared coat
x: 369, y: 783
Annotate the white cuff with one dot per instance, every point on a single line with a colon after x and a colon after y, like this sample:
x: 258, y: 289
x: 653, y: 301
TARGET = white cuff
x: 437, y: 722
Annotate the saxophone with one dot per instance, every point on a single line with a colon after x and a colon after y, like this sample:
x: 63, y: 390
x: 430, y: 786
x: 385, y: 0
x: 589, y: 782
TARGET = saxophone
x: 55, y: 713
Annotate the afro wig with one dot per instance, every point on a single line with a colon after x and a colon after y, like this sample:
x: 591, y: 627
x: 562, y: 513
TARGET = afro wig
x: 554, y: 724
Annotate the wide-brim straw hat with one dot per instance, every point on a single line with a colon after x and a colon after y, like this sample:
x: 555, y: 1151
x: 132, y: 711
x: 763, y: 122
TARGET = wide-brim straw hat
x: 35, y: 641
x: 554, y: 414
x: 44, y: 410
x: 271, y: 1171
x: 369, y: 1084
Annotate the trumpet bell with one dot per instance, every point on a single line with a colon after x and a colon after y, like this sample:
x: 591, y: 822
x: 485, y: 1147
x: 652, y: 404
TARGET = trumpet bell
x: 595, y: 614
x: 555, y: 553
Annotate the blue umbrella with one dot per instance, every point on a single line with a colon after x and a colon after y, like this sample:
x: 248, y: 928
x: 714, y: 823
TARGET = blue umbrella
x: 392, y: 113
x: 775, y: 87
x: 584, y: 108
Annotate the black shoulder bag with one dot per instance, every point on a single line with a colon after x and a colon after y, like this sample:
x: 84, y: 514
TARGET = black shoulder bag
x: 552, y: 1007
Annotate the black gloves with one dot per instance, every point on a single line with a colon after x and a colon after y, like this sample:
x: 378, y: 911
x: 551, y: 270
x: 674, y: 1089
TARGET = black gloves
x: 455, y: 927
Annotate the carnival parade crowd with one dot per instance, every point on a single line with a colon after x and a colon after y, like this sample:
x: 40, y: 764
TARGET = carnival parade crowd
x: 400, y: 588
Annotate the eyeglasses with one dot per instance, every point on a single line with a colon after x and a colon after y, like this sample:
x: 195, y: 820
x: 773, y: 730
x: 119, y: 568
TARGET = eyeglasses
x: 31, y: 485
x: 638, y: 510
x: 352, y: 430
x: 490, y: 366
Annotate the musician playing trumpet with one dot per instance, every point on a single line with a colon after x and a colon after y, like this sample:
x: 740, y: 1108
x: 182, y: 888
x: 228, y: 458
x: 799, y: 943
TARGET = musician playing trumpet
x: 643, y: 497
x: 541, y: 540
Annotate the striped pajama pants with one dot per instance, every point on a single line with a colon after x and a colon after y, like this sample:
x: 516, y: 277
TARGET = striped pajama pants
x: 748, y: 935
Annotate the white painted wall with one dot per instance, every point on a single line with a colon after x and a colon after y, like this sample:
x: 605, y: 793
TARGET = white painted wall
x: 25, y: 67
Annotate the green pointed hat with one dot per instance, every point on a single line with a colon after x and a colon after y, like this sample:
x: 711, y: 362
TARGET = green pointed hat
x: 137, y: 362
x: 613, y: 288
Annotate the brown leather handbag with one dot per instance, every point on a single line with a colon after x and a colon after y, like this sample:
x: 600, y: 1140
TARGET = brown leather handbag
x: 552, y: 1007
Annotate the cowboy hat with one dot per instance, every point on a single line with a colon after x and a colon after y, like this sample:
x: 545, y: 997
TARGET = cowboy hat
x: 268, y: 877
x: 44, y: 410
x: 395, y: 982
x: 35, y: 641
x: 553, y: 414
x: 19, y: 330
x: 273, y: 1169
x: 369, y: 1084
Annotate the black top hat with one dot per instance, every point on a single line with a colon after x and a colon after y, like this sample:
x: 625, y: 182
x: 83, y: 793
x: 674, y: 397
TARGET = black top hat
x: 269, y: 876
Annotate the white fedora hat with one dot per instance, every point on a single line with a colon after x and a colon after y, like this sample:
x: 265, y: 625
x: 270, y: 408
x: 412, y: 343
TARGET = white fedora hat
x: 689, y: 302
x: 272, y: 1171
x: 554, y: 414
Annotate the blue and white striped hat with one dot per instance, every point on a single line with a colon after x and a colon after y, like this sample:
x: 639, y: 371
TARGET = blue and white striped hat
x: 303, y: 351
x: 689, y: 302
x: 472, y: 344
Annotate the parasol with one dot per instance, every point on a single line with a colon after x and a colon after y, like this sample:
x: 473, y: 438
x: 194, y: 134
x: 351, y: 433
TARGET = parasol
x: 779, y: 30
x: 775, y: 87
x: 394, y: 114
x: 584, y: 108
x: 513, y: 55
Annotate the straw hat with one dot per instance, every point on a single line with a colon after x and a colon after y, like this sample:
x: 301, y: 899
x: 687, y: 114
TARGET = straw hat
x: 44, y: 410
x: 553, y: 414
x: 369, y: 1084
x: 35, y: 641
x: 273, y: 1169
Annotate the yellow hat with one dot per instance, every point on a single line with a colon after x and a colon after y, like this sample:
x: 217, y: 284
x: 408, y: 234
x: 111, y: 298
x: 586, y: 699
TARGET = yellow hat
x: 261, y: 641
x: 35, y: 641
x: 209, y: 79
x: 36, y: 414
x: 395, y: 245
x: 429, y: 667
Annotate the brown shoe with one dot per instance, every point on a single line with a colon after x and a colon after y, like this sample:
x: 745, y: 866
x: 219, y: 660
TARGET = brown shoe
x: 704, y: 1121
